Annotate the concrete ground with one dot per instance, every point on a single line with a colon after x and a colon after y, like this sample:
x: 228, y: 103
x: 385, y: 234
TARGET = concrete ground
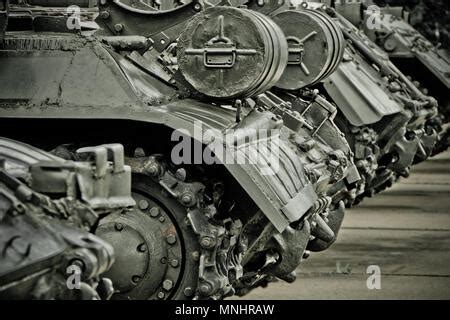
x: 404, y: 230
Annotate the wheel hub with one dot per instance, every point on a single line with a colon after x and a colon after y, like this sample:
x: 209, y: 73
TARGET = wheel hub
x: 147, y: 248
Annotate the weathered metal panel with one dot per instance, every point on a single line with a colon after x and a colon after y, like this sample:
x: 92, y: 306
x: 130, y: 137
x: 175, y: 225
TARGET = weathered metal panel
x: 358, y: 95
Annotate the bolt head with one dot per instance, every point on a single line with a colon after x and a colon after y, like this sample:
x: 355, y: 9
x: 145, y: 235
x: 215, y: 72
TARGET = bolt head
x: 206, y: 242
x: 154, y: 212
x: 188, y: 292
x: 143, y: 204
x: 142, y: 247
x: 195, y: 255
x: 174, y: 263
x: 139, y: 152
x: 197, y: 7
x: 167, y: 284
x: 152, y: 169
x: 171, y: 239
x: 118, y: 27
x: 186, y: 198
x: 181, y: 174
x: 205, y: 289
x: 104, y: 14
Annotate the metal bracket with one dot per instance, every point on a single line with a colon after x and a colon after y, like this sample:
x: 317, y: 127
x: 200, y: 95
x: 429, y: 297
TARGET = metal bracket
x: 220, y: 52
x: 295, y: 50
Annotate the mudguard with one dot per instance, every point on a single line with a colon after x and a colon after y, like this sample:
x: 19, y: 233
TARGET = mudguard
x: 46, y: 78
x: 357, y: 92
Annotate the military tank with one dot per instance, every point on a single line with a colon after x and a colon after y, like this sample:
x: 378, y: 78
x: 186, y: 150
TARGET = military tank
x: 387, y: 23
x: 430, y: 18
x: 402, y: 42
x: 388, y: 122
x: 234, y: 181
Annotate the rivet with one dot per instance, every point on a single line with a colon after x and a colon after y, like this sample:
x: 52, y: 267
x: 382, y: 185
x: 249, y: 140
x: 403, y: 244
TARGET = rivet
x: 162, y: 219
x: 142, y: 247
x: 118, y: 226
x: 135, y: 279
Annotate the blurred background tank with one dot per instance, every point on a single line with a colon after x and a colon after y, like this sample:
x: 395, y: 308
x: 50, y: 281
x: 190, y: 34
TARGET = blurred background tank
x: 411, y: 51
x: 389, y: 123
x: 396, y: 27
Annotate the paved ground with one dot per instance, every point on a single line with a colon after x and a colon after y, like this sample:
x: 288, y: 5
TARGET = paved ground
x: 405, y: 231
